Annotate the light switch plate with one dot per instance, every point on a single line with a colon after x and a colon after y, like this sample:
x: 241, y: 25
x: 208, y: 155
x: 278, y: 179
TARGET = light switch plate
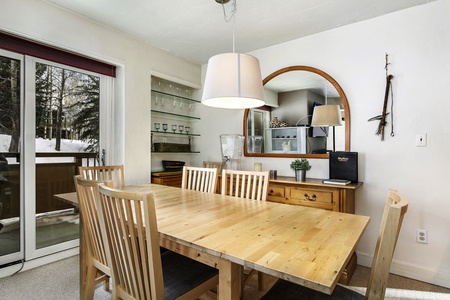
x: 421, y: 140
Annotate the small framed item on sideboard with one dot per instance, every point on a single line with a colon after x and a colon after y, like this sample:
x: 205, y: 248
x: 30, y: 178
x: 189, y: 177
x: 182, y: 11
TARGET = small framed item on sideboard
x: 344, y: 165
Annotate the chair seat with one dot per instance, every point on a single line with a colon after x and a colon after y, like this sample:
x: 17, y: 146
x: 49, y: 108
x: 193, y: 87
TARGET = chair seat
x: 182, y: 274
x: 285, y: 290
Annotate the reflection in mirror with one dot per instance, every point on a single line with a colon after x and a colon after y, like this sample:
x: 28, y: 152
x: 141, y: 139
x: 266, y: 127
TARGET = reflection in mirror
x: 282, y: 128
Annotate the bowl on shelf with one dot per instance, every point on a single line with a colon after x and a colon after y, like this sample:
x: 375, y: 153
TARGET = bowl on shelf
x: 173, y: 165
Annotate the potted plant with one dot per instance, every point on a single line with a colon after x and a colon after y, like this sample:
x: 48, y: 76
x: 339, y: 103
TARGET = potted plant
x: 300, y: 166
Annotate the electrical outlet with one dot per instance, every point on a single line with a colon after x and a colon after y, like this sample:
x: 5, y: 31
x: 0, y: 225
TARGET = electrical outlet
x: 422, y: 236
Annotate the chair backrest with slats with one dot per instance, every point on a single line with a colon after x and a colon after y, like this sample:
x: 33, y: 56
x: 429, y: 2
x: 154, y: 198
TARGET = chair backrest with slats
x: 245, y: 184
x: 394, y: 210
x: 132, y: 243
x: 199, y: 179
x: 214, y: 164
x: 87, y: 191
x: 103, y: 173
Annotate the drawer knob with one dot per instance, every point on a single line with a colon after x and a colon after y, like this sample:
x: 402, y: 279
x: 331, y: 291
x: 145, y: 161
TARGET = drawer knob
x: 312, y: 198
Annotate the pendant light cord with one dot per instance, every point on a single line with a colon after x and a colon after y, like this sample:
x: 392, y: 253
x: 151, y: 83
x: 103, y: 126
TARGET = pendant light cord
x: 231, y: 16
x: 233, y: 11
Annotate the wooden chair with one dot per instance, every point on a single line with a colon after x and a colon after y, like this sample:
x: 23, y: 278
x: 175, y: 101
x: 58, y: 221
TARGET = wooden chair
x: 214, y: 164
x: 251, y: 185
x: 394, y: 210
x: 96, y: 265
x: 245, y: 184
x: 139, y: 270
x: 199, y: 179
x: 103, y: 173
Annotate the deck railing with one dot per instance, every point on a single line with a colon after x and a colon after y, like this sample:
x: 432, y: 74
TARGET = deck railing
x: 54, y: 175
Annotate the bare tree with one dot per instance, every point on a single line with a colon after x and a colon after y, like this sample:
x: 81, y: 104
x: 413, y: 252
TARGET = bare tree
x: 10, y: 101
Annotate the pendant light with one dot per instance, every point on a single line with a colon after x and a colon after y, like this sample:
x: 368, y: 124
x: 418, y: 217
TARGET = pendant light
x: 233, y: 80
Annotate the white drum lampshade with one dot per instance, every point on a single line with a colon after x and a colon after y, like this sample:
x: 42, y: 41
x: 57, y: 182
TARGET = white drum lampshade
x: 233, y: 80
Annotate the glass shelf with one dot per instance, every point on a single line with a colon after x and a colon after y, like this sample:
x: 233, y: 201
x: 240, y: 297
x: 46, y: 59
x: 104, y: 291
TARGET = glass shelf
x: 173, y: 152
x: 175, y: 96
x: 164, y: 113
x: 175, y: 134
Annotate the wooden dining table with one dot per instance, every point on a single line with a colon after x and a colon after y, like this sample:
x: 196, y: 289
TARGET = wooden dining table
x: 307, y: 246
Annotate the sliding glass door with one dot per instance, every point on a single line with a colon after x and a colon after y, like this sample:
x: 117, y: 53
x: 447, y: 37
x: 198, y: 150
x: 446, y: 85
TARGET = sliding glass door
x: 50, y: 125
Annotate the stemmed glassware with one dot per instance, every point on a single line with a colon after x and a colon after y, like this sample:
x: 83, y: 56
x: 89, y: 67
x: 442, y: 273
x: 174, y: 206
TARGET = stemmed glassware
x: 174, y: 128
x: 181, y: 128
x: 157, y: 126
x: 165, y: 127
x: 187, y: 128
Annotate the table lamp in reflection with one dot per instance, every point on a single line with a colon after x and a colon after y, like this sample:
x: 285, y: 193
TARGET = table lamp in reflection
x: 326, y: 116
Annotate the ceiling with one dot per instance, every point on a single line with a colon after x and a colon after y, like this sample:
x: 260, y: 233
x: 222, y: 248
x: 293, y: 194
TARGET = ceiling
x: 196, y: 29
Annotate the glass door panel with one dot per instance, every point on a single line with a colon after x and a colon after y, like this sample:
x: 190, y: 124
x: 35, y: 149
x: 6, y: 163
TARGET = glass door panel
x: 67, y: 131
x: 11, y: 221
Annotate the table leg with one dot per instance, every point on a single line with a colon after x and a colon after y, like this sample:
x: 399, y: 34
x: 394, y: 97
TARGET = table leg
x: 229, y: 280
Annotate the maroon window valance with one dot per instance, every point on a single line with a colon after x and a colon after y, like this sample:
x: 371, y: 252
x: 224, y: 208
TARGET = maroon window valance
x: 28, y: 47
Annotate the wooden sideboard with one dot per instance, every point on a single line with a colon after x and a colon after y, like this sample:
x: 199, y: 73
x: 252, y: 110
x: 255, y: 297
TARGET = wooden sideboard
x: 314, y: 193
x: 168, y: 178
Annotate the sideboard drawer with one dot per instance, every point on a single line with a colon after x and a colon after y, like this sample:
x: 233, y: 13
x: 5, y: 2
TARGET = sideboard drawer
x: 276, y: 191
x: 311, y: 197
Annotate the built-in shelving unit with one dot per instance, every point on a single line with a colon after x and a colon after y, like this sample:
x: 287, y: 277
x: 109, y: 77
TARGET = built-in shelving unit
x: 173, y: 113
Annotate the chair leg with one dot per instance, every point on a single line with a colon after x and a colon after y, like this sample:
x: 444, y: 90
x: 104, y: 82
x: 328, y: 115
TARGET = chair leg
x: 90, y: 282
x: 106, y: 286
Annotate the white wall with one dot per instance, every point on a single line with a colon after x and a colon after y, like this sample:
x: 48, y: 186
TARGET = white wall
x: 136, y: 60
x: 418, y: 43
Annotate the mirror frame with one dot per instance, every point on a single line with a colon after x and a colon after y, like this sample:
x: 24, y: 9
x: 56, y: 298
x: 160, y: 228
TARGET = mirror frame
x: 295, y: 155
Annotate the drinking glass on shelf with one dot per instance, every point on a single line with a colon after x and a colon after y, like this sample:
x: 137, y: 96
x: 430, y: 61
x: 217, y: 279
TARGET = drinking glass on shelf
x: 181, y: 128
x: 165, y: 127
x: 174, y: 104
x: 174, y: 128
x: 159, y: 86
x: 187, y: 128
x: 157, y: 126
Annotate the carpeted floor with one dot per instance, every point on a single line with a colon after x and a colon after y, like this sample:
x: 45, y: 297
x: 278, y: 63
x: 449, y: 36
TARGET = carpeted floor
x: 59, y: 281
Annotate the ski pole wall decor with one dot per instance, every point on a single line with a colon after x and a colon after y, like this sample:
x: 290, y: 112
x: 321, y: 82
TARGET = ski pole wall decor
x: 382, y: 117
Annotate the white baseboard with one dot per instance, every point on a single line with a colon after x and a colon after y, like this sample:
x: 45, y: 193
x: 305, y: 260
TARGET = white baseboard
x: 410, y: 271
x: 31, y: 264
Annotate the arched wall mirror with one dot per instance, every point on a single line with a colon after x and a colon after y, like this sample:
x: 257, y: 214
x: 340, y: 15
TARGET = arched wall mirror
x: 282, y: 127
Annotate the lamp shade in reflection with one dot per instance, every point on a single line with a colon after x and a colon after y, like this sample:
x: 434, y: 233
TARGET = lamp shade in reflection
x: 326, y: 115
x: 233, y: 80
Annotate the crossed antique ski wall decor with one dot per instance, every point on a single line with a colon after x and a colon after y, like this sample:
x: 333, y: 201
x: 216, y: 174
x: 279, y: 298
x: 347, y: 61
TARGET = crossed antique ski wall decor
x: 382, y: 117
